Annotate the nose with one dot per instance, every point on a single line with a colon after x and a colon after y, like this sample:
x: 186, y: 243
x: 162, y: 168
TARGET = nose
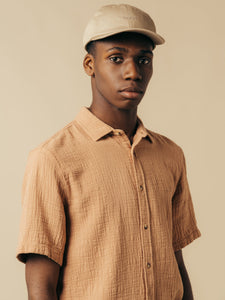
x: 131, y: 71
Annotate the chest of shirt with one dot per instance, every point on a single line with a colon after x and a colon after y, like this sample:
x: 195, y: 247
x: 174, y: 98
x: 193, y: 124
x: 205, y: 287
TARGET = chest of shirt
x: 109, y: 174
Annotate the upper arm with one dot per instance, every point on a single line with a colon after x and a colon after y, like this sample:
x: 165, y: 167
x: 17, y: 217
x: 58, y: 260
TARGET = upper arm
x: 185, y: 228
x: 179, y: 258
x: 42, y: 275
x: 43, y: 219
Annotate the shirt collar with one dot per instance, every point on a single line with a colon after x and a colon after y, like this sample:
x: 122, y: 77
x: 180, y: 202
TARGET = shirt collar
x: 97, y: 129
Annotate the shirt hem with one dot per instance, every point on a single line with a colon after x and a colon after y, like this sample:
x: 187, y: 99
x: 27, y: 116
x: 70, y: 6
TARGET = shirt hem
x: 187, y: 240
x: 53, y: 254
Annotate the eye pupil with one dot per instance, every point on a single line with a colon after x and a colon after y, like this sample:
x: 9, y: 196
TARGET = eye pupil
x: 115, y: 59
x: 144, y: 61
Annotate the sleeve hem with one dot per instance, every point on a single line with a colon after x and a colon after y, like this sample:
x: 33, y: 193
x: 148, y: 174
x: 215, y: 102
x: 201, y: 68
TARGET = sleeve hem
x: 186, y: 240
x: 53, y: 254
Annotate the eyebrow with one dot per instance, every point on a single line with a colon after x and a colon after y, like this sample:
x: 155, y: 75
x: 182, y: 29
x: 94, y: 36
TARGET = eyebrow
x: 121, y: 49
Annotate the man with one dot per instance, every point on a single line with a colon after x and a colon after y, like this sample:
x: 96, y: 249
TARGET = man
x: 106, y: 203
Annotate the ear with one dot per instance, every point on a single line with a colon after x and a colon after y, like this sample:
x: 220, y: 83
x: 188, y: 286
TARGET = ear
x: 88, y: 64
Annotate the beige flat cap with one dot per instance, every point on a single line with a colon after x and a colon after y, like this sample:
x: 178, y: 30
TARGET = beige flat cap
x: 117, y: 18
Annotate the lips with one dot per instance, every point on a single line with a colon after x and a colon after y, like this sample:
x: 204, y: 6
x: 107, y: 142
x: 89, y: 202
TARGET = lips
x: 131, y: 92
x: 132, y: 89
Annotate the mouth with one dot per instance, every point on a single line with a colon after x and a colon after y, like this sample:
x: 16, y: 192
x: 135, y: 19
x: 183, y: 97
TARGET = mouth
x: 131, y: 92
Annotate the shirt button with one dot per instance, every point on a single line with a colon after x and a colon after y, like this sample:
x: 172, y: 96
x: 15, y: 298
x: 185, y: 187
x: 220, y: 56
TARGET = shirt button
x: 146, y: 226
x: 141, y: 187
x: 148, y: 265
x: 117, y: 133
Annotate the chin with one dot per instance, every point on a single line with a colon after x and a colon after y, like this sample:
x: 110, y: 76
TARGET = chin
x: 127, y: 105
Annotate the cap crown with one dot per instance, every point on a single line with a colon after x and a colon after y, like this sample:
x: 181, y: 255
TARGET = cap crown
x: 116, y: 18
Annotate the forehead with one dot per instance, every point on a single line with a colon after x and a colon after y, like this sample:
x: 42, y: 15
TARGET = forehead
x: 127, y: 40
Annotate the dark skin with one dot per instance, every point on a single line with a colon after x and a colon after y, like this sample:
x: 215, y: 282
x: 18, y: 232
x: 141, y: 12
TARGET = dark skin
x: 42, y: 276
x: 119, y: 65
x: 120, y: 70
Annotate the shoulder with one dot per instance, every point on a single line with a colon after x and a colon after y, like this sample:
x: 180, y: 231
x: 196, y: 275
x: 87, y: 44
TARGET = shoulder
x: 164, y: 142
x: 57, y: 148
x: 167, y: 150
x: 59, y: 140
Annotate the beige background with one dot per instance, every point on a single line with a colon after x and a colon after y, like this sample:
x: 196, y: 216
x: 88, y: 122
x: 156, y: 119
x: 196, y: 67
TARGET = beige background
x: 43, y: 87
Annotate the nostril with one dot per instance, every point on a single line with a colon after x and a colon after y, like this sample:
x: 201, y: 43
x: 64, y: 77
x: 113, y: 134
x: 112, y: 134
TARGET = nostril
x: 132, y: 73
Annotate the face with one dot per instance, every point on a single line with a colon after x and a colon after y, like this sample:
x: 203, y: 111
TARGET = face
x: 121, y: 69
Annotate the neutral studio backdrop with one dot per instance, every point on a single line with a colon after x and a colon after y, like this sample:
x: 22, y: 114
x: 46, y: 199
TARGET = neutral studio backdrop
x: 43, y: 86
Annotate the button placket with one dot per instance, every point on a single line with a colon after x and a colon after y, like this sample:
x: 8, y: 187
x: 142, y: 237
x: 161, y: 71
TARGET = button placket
x: 145, y: 221
x: 121, y: 138
x: 124, y: 139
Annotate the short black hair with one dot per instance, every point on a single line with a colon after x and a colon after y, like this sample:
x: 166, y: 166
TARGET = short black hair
x: 91, y: 46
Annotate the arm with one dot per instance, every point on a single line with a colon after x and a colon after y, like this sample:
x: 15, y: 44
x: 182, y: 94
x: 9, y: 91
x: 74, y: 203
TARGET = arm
x: 41, y: 277
x: 184, y: 275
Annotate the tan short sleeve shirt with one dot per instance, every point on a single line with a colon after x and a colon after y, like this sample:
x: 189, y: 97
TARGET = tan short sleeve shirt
x: 111, y: 214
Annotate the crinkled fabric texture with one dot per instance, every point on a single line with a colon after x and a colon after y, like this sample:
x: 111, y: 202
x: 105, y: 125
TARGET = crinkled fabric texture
x: 111, y: 214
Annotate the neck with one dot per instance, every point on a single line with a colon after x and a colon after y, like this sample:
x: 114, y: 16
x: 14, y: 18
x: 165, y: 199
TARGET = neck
x: 117, y: 118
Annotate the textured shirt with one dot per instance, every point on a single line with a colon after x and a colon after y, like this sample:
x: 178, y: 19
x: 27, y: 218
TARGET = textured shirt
x: 109, y: 212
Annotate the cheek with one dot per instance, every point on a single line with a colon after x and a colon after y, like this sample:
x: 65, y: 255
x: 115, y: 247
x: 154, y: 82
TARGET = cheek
x: 148, y: 75
x: 107, y: 79
x: 103, y: 84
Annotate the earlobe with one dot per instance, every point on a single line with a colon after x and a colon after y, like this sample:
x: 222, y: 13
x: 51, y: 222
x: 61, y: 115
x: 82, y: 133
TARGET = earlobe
x: 88, y: 64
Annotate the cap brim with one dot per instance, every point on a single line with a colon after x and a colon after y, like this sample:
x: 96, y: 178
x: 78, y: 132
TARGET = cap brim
x: 156, y: 38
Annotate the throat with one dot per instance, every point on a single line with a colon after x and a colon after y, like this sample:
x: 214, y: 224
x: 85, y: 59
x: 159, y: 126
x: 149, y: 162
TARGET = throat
x: 125, y: 120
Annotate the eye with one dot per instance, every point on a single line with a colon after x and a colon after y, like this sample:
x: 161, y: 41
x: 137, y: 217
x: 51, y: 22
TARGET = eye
x: 144, y: 60
x: 116, y: 59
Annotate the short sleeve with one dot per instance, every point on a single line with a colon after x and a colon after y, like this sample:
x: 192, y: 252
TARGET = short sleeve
x: 185, y: 228
x: 43, y: 222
